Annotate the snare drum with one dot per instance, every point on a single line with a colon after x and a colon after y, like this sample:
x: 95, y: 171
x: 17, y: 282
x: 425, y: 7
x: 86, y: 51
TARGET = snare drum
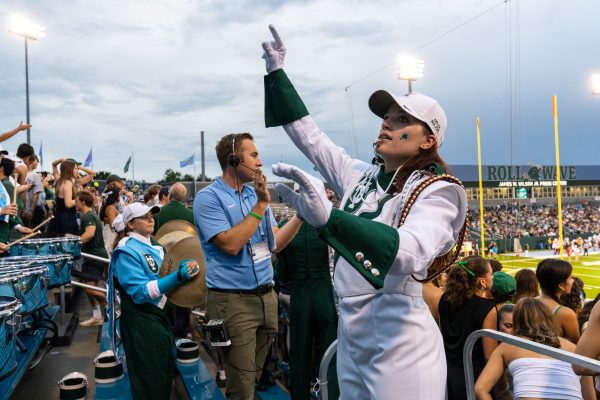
x: 8, y: 285
x: 12, y: 268
x: 59, y: 266
x: 47, y: 246
x: 13, y: 265
x: 31, y: 287
x: 9, y: 321
x: 32, y: 247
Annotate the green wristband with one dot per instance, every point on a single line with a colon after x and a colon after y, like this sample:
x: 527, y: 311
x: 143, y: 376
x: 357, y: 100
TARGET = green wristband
x: 255, y: 215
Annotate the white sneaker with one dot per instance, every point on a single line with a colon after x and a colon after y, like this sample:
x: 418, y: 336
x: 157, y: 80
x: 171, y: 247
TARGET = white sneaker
x: 92, y: 322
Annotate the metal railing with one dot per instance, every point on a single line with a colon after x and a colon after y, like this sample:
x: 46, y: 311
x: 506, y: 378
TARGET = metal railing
x: 558, y: 354
x: 93, y: 257
x: 324, y: 368
x: 84, y: 285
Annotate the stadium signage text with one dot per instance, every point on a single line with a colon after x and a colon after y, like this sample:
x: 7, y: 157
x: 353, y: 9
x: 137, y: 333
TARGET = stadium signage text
x: 529, y: 183
x: 512, y: 173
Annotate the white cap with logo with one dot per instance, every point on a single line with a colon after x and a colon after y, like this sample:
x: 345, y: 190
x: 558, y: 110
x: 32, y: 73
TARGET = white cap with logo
x: 136, y: 210
x: 130, y: 212
x: 422, y: 107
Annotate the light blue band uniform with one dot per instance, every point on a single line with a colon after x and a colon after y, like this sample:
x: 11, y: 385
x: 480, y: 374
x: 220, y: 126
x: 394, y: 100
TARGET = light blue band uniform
x: 135, y: 264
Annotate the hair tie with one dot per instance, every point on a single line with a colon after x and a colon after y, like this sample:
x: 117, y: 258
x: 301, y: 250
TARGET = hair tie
x: 463, y: 265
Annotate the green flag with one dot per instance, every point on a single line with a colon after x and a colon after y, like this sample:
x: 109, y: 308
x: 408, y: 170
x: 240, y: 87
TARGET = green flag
x: 126, y: 167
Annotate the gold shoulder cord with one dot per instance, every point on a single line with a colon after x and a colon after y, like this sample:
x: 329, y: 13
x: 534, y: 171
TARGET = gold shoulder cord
x: 444, y: 261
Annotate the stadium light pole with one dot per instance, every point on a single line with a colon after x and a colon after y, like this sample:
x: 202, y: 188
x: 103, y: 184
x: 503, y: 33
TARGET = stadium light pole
x: 32, y: 31
x: 409, y: 69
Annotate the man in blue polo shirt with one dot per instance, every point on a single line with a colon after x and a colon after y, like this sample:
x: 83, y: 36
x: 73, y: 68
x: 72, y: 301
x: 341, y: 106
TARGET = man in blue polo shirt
x: 238, y: 234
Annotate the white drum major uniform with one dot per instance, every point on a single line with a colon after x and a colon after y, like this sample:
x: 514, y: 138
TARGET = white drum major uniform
x: 389, y: 346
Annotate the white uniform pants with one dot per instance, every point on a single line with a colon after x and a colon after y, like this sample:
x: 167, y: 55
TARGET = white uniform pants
x: 389, y: 348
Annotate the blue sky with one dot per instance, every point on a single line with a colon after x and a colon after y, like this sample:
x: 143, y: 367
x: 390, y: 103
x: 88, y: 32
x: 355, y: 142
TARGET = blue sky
x: 147, y: 77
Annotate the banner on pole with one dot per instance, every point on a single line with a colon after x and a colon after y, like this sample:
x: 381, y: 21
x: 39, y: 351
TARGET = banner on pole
x: 187, y: 161
x: 126, y: 167
x: 88, y: 160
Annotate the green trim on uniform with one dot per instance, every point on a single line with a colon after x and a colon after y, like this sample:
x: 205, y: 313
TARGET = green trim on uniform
x: 349, y: 235
x: 439, y: 169
x: 381, y: 203
x: 384, y: 179
x: 282, y: 102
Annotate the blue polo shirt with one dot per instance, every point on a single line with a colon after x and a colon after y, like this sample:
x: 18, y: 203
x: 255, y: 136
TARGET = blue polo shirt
x: 218, y: 208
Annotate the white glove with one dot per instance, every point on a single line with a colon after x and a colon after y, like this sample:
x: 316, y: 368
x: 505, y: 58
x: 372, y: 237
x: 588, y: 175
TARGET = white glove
x: 311, y: 204
x: 274, y: 52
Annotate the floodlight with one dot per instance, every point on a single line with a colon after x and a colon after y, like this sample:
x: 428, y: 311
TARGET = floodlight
x: 409, y: 69
x: 26, y: 28
x: 596, y: 84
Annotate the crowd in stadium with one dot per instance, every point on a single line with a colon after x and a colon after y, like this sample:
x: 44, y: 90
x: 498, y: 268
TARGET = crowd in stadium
x: 548, y: 306
x: 514, y: 220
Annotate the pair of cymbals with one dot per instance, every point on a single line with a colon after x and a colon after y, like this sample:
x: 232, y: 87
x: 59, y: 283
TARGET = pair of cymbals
x: 181, y: 242
x: 174, y: 226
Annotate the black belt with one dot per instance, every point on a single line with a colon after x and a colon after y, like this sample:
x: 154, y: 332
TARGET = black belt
x: 259, y: 291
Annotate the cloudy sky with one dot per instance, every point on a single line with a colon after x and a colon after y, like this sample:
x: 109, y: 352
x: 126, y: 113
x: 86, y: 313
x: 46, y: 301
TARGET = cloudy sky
x: 126, y: 76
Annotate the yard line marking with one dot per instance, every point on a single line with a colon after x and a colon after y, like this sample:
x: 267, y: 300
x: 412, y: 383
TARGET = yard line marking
x: 586, y: 275
x: 575, y: 267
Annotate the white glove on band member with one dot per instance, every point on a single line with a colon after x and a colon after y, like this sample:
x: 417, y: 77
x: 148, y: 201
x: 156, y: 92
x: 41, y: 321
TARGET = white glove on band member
x: 311, y: 204
x: 274, y: 52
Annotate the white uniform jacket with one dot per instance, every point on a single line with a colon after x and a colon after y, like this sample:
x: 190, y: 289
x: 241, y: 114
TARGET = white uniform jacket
x: 389, y: 346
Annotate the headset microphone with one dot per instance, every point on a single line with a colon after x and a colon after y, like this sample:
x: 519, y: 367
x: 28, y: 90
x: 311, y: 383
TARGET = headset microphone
x: 377, y: 160
x: 251, y: 169
x: 234, y: 160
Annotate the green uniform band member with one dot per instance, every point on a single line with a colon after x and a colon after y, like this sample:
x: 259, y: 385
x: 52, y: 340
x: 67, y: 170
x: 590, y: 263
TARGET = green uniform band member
x: 313, y: 316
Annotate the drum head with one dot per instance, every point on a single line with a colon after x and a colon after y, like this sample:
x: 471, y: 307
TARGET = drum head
x: 175, y: 225
x: 191, y: 293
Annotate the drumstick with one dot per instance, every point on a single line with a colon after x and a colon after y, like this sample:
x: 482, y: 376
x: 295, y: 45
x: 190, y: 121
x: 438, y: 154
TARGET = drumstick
x: 16, y: 176
x: 32, y: 234
x: 43, y: 223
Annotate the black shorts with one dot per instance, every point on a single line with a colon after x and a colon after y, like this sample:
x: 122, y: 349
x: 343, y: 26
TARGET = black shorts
x: 91, y: 270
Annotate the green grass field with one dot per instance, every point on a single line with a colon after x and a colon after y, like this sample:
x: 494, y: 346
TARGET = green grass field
x: 587, y: 268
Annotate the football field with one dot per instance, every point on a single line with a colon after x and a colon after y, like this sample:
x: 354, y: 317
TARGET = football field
x: 587, y: 268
